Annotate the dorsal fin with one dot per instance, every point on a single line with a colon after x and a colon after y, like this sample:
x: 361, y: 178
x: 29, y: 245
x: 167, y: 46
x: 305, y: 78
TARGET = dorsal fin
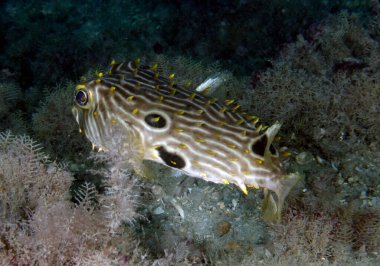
x: 212, y: 83
x: 271, y: 133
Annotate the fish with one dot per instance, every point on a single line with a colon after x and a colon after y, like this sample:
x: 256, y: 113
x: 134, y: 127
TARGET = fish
x: 184, y: 128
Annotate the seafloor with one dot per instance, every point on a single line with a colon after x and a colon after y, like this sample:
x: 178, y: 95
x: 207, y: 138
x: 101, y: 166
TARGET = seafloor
x: 312, y: 65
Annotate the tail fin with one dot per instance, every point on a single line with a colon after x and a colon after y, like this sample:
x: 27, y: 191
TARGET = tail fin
x: 270, y: 207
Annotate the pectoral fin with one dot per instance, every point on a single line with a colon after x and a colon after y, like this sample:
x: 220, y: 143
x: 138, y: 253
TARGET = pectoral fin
x: 136, y: 154
x: 271, y: 207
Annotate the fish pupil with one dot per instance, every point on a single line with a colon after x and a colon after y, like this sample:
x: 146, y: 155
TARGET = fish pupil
x: 81, y: 98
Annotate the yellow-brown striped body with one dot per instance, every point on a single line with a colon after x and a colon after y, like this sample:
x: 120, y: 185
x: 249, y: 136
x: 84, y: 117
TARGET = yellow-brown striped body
x: 179, y: 127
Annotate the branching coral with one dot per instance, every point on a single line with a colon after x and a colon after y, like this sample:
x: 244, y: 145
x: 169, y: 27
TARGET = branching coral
x: 10, y: 95
x: 38, y: 223
x: 121, y: 194
x: 366, y: 228
x: 303, y: 238
x: 25, y: 177
x: 320, y: 238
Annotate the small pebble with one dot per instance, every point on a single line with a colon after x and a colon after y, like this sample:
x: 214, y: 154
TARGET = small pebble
x: 51, y: 169
x: 223, y: 228
x: 232, y: 246
x: 215, y: 196
x: 352, y: 179
x: 363, y: 195
x: 158, y: 211
x: 221, y: 205
x: 334, y: 166
x: 304, y: 158
x: 234, y: 204
x: 320, y: 160
x: 157, y: 190
x: 268, y: 254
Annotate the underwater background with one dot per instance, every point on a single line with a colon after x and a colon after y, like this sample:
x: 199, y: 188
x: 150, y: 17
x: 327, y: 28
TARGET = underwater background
x: 312, y: 65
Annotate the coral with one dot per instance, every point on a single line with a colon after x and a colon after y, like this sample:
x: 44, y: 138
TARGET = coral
x: 38, y: 223
x: 10, y: 96
x: 303, y: 234
x: 185, y: 254
x: 9, y: 93
x: 121, y: 193
x: 366, y: 228
x: 357, y: 230
x: 25, y: 177
x: 325, y: 91
x: 319, y: 238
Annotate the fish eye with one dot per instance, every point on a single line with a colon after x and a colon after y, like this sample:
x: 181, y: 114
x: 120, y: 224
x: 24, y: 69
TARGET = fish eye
x: 81, y: 98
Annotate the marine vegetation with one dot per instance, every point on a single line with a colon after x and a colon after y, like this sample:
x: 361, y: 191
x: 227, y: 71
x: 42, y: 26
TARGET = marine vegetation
x: 40, y: 225
x: 93, y: 209
x: 325, y: 87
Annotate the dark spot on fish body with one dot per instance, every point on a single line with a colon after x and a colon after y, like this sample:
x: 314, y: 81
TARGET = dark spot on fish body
x: 171, y: 159
x: 155, y: 121
x: 259, y: 146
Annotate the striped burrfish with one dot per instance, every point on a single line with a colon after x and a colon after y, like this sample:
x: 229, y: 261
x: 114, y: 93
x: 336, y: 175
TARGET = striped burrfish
x: 182, y: 128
